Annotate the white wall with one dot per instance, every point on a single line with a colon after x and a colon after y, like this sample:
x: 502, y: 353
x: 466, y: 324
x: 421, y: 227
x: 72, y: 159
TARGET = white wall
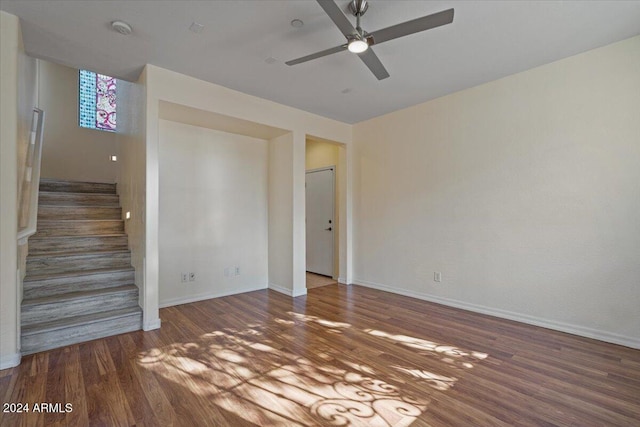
x: 70, y: 151
x: 17, y: 99
x: 280, y: 213
x: 131, y: 139
x: 213, y: 212
x: 524, y: 192
x: 167, y: 86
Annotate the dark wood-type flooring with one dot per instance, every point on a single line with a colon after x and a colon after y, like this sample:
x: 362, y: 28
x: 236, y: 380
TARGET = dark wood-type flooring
x: 339, y: 356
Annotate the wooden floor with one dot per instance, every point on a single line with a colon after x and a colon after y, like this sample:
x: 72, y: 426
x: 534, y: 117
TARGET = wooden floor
x: 318, y: 280
x: 339, y: 356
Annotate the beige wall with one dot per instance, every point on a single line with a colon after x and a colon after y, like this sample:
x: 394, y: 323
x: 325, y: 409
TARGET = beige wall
x: 9, y: 46
x: 69, y: 151
x: 17, y: 100
x: 213, y: 213
x: 131, y: 140
x: 167, y: 86
x: 320, y: 154
x: 27, y: 100
x: 523, y: 192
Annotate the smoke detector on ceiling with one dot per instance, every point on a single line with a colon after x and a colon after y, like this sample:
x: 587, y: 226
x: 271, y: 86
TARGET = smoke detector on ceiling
x: 121, y: 27
x: 297, y: 23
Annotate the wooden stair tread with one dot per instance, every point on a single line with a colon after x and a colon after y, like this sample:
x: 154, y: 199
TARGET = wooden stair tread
x: 58, y: 206
x: 38, y: 328
x: 53, y: 245
x: 75, y: 273
x: 87, y: 254
x: 66, y: 212
x: 78, y: 295
x: 79, y: 228
x: 53, y: 198
x: 67, y: 221
x: 78, y: 261
x: 63, y: 186
x: 83, y: 206
x: 76, y: 237
x: 75, y: 194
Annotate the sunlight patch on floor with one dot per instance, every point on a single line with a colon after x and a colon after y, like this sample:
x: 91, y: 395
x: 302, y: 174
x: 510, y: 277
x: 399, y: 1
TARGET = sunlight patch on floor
x: 439, y: 382
x: 318, y: 320
x: 448, y: 353
x: 244, y: 372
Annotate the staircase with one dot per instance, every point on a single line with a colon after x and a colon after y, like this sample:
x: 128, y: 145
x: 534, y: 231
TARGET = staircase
x: 79, y: 282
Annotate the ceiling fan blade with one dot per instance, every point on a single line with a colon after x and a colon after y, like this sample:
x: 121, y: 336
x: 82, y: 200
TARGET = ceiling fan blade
x: 371, y: 60
x: 346, y: 28
x: 331, y: 8
x: 414, y: 26
x: 317, y: 55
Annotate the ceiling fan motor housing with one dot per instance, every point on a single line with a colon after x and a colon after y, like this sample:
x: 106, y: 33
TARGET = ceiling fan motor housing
x: 358, y: 7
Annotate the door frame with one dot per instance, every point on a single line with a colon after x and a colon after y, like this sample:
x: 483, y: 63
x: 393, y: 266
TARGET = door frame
x: 332, y: 168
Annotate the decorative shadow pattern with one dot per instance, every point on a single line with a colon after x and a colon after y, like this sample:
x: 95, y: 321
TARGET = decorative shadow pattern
x: 266, y: 383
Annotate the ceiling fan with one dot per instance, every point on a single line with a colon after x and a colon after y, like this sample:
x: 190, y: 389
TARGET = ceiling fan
x: 360, y: 41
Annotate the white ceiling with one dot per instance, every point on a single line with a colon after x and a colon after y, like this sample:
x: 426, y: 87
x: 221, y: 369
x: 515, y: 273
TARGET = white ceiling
x: 487, y: 40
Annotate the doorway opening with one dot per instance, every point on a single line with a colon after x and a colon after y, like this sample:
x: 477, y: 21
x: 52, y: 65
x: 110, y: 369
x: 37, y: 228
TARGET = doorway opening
x: 322, y: 206
x: 320, y: 223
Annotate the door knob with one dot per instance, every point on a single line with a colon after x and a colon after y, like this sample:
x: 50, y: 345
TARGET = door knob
x: 327, y: 229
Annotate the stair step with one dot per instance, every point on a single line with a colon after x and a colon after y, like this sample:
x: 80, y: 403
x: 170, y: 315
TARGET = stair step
x: 79, y: 227
x: 74, y: 261
x: 60, y: 333
x: 77, y: 199
x: 79, y: 282
x: 58, y: 307
x: 51, y: 212
x: 62, y: 283
x: 56, y: 244
x: 58, y: 185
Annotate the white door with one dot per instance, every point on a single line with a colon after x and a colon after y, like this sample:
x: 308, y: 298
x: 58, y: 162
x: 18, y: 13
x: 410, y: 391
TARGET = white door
x: 320, y: 221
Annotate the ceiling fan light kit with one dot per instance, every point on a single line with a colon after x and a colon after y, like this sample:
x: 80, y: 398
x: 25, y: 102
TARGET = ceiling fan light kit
x: 359, y: 41
x: 357, y: 45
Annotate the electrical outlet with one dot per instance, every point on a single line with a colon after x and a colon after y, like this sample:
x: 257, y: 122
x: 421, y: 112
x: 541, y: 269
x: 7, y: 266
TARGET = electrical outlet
x: 437, y: 276
x: 184, y: 277
x: 192, y: 277
x: 237, y: 271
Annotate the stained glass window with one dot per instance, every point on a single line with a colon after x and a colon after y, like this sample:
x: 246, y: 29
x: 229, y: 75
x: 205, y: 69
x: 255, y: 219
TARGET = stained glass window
x: 97, y: 101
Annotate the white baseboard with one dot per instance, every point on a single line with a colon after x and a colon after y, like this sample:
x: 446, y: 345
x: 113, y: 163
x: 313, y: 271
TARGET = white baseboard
x: 523, y: 318
x: 342, y: 281
x: 9, y: 361
x: 287, y: 291
x: 209, y: 295
x: 280, y: 289
x: 299, y: 293
x: 151, y: 325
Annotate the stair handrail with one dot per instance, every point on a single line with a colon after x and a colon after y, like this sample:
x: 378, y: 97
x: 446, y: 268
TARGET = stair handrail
x: 29, y: 188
